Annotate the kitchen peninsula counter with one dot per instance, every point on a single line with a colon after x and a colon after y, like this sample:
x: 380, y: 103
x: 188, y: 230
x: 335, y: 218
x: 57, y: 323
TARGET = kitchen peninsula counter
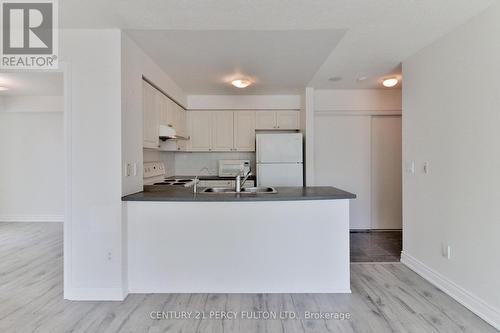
x: 292, y: 241
x: 173, y: 193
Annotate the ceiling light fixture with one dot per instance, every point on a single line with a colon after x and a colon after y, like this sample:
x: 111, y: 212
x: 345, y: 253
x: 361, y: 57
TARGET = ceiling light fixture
x: 3, y: 88
x: 241, y: 83
x: 391, y: 82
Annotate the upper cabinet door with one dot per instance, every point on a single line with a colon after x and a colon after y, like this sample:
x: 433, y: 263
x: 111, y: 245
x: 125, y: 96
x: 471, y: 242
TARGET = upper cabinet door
x: 199, y: 130
x: 265, y: 120
x: 171, y: 113
x: 287, y: 120
x: 180, y: 123
x: 162, y: 102
x: 244, y: 130
x: 151, y: 117
x: 222, y: 130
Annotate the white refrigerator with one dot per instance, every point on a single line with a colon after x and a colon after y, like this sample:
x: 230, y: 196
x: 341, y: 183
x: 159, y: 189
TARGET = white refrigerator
x: 279, y: 159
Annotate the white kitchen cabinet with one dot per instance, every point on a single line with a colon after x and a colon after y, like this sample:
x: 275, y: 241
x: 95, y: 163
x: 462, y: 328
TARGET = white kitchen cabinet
x: 163, y: 109
x: 170, y: 117
x: 235, y: 130
x: 199, y: 130
x: 180, y: 120
x: 287, y: 120
x: 222, y: 131
x: 151, y: 116
x: 265, y: 119
x: 277, y: 120
x: 244, y: 131
x: 159, y: 109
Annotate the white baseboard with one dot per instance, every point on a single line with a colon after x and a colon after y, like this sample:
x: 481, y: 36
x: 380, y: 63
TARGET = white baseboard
x: 31, y: 218
x: 95, y: 294
x: 488, y: 313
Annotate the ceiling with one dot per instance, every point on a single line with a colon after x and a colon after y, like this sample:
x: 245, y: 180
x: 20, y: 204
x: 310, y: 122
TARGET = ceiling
x: 205, y: 62
x: 32, y: 83
x: 200, y: 42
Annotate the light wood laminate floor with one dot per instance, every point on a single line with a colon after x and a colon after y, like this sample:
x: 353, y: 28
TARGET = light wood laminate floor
x: 385, y: 298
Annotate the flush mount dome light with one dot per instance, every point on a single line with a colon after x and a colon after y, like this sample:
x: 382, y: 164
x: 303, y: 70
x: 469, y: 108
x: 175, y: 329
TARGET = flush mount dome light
x: 391, y: 82
x: 241, y: 83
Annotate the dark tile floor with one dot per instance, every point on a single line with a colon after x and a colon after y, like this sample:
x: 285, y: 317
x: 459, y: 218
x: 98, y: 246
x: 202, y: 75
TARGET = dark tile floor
x: 376, y: 246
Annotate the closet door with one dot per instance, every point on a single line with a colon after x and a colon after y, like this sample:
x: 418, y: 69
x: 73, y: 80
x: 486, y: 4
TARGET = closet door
x: 386, y: 188
x: 342, y: 159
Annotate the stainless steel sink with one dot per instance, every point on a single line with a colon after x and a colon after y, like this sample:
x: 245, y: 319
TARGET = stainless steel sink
x: 245, y: 190
x: 218, y: 190
x: 260, y: 189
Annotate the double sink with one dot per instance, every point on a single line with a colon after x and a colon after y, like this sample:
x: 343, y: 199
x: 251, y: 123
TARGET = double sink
x: 244, y: 190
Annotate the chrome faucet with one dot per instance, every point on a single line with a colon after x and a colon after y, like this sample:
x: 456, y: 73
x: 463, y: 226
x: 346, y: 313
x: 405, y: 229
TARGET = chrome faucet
x: 196, y: 180
x: 239, y: 183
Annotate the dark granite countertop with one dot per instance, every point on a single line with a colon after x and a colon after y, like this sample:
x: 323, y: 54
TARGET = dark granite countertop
x: 251, y: 177
x: 171, y: 193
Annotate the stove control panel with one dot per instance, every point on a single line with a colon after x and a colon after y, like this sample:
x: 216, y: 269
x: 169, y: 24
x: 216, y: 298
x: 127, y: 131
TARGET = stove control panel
x: 154, y: 169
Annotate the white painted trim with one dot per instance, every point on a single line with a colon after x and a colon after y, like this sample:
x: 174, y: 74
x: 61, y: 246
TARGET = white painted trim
x: 488, y: 313
x: 31, y: 218
x: 357, y: 112
x: 65, y: 67
x: 95, y: 294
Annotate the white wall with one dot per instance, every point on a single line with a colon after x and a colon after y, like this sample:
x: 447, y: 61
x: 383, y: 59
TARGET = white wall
x: 342, y: 148
x: 452, y: 120
x: 357, y: 100
x: 33, y: 104
x: 135, y: 64
x: 244, y: 102
x: 31, y: 166
x: 93, y: 224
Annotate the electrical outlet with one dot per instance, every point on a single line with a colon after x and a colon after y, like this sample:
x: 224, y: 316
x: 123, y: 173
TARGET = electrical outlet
x: 109, y: 256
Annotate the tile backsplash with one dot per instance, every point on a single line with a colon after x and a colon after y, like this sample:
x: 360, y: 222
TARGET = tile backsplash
x: 190, y: 164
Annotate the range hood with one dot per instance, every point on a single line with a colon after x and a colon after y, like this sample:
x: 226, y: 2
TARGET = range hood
x: 169, y: 133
